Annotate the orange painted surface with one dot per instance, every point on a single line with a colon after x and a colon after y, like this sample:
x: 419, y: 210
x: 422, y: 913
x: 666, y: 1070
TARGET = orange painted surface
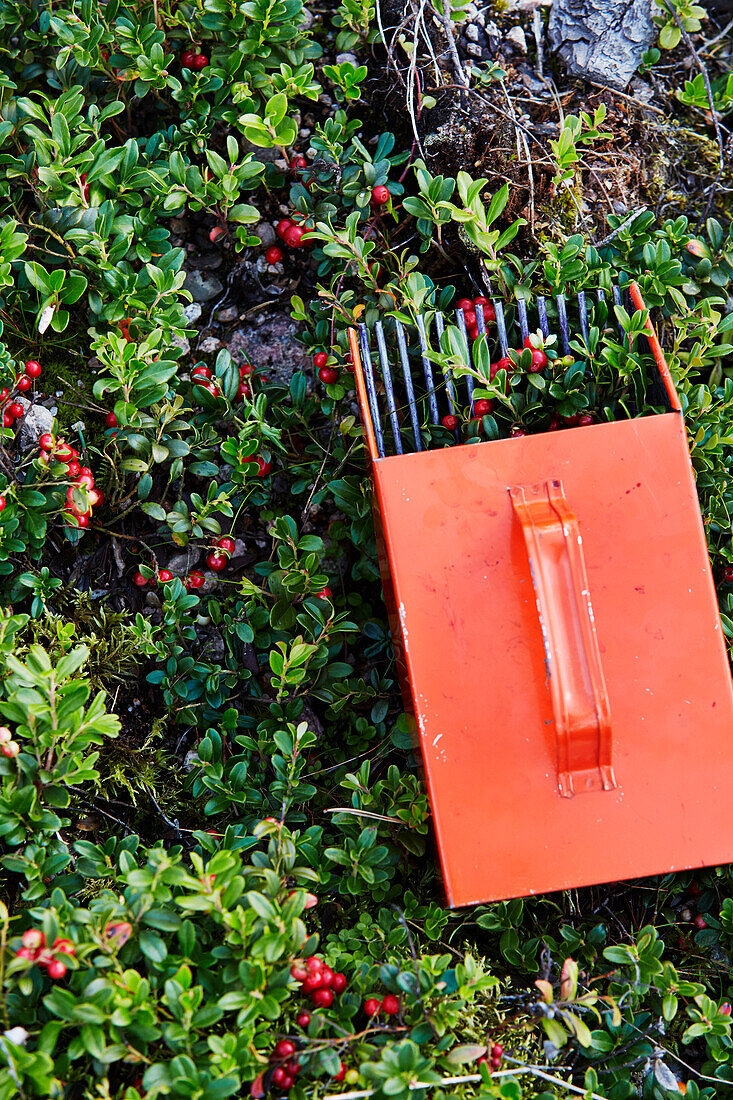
x: 466, y: 615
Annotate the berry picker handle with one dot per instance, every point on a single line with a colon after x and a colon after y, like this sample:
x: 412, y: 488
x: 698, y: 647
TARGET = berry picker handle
x: 577, y: 688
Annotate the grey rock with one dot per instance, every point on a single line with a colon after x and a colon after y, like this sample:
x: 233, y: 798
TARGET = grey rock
x: 36, y: 421
x: 153, y: 600
x: 603, y: 40
x: 229, y: 314
x: 206, y: 261
x: 472, y: 32
x: 517, y: 38
x: 266, y: 233
x: 183, y: 563
x: 183, y: 343
x: 209, y: 344
x: 344, y: 58
x: 473, y: 50
x: 192, y: 313
x: 239, y: 554
x: 202, y: 288
x: 191, y: 760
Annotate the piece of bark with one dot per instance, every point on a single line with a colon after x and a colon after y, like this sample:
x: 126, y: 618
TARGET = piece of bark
x: 602, y: 40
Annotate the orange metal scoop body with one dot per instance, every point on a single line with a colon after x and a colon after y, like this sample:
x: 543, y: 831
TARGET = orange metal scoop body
x: 556, y: 624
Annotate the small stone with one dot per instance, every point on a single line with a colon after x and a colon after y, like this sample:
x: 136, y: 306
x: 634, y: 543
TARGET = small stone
x: 152, y: 600
x: 79, y: 426
x: 192, y: 313
x: 202, y: 288
x: 36, y: 421
x: 472, y: 32
x: 206, y: 261
x: 209, y: 344
x: 229, y: 314
x: 182, y: 343
x: 191, y: 760
x: 517, y: 38
x: 473, y: 50
x: 266, y: 233
x: 346, y: 58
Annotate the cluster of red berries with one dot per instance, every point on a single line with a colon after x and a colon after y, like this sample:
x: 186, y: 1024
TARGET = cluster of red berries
x: 470, y: 307
x: 328, y: 375
x: 287, y: 1067
x: 81, y: 496
x: 23, y: 382
x: 201, y: 376
x: 290, y: 233
x: 493, y: 1057
x: 216, y: 559
x: 727, y: 574
x: 8, y: 747
x: 35, y: 951
x: 389, y: 1005
x: 190, y: 59
x: 319, y: 981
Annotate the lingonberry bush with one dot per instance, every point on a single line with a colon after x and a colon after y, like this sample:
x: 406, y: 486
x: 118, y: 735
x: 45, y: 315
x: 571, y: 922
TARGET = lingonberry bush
x: 214, y: 841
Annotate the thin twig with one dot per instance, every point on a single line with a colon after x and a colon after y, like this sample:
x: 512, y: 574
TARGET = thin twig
x: 624, y: 225
x: 448, y: 31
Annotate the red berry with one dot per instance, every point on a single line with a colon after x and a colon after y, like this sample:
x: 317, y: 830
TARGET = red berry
x: 63, y: 945
x: 216, y: 233
x: 63, y: 452
x: 201, y: 372
x: 324, y: 594
x: 16, y: 410
x: 245, y: 370
x: 481, y: 1060
x: 341, y: 1073
x: 326, y: 977
x: 504, y: 363
x: 314, y: 965
x: 390, y: 1005
x: 33, y: 369
x: 226, y: 544
x: 482, y: 406
x: 539, y: 361
x: 73, y: 469
x: 273, y: 255
x: 724, y: 1009
x: 470, y: 318
x: 199, y: 62
x: 164, y: 576
x: 24, y: 383
x: 372, y: 1006
x: 727, y: 574
x: 33, y: 938
x: 263, y: 468
x: 284, y: 1048
x: 339, y: 983
x: 464, y: 304
x: 216, y: 561
x: 56, y: 969
x: 473, y: 332
x: 320, y: 359
x: 328, y: 375
x: 187, y: 58
x: 195, y: 579
x: 495, y: 1063
x: 279, y: 1077
x: 380, y: 195
x: 311, y: 983
x: 293, y: 236
x: 700, y: 921
x: 322, y: 998
x: 303, y: 1018
x: 497, y: 1050
x: 516, y: 432
x: 8, y: 419
x: 297, y: 164
x: 11, y: 749
x: 85, y: 478
x: 139, y: 579
x: 25, y: 953
x: 554, y: 424
x: 298, y: 973
x: 293, y: 1068
x: 96, y: 497
x: 3, y: 502
x: 243, y: 390
x: 282, y: 227
x: 450, y: 422
x: 110, y: 420
x: 584, y: 420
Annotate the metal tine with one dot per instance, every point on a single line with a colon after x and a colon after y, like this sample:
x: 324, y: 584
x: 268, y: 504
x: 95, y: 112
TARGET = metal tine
x: 427, y: 367
x: 583, y: 311
x: 562, y: 315
x: 447, y: 374
x: 402, y: 345
x: 371, y: 389
x: 387, y: 375
x: 617, y: 301
x: 481, y: 322
x: 461, y: 322
x: 542, y: 314
x: 523, y: 322
x: 501, y: 328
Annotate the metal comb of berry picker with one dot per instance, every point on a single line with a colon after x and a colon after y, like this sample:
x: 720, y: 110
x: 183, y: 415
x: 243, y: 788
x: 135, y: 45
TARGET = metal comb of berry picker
x: 404, y: 393
x: 555, y: 624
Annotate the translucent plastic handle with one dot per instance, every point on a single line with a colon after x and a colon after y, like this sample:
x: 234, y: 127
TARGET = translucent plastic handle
x: 577, y: 687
